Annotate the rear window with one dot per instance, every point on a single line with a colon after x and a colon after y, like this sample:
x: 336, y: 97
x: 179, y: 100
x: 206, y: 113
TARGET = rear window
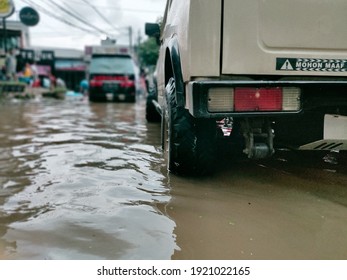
x: 112, y: 65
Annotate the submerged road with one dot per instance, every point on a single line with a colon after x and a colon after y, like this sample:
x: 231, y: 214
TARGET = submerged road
x: 80, y: 180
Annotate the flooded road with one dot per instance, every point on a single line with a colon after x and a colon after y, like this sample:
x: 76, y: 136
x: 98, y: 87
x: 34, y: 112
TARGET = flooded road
x: 87, y: 181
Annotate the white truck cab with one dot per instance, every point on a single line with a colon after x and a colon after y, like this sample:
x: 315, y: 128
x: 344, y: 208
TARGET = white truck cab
x: 272, y: 70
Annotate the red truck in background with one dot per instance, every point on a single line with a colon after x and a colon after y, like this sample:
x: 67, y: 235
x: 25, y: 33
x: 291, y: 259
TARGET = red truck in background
x: 113, y: 74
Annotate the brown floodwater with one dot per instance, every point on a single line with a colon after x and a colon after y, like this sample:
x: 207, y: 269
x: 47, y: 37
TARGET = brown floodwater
x: 80, y: 180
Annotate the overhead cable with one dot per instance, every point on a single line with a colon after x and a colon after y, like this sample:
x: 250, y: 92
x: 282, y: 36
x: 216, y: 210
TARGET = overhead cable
x: 51, y: 14
x: 100, y: 14
x: 121, y: 9
x: 66, y: 11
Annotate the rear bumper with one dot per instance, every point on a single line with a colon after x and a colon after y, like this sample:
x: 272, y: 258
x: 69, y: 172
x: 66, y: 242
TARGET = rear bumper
x: 334, y: 135
x: 102, y: 93
x: 313, y: 94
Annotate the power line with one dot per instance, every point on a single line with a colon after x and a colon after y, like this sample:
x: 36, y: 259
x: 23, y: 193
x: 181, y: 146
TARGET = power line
x: 72, y: 9
x: 100, y: 14
x: 121, y: 9
x: 77, y: 18
x: 68, y: 15
x: 63, y: 20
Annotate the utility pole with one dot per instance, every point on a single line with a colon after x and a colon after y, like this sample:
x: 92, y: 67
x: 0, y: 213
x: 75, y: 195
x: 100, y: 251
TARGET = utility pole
x: 130, y: 30
x: 139, y: 37
x: 137, y: 47
x: 5, y: 33
x: 7, y: 9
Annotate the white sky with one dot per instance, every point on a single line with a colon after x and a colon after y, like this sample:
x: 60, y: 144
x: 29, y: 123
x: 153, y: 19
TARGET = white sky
x: 118, y: 16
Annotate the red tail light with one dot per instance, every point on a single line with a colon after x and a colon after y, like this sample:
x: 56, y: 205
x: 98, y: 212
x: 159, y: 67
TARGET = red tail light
x: 95, y: 83
x: 124, y: 81
x: 127, y: 83
x: 258, y: 99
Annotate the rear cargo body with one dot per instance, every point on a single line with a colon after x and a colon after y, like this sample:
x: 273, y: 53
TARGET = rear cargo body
x: 272, y: 73
x: 281, y: 37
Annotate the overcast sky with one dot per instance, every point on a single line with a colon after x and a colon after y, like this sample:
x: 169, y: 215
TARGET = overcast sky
x: 112, y: 17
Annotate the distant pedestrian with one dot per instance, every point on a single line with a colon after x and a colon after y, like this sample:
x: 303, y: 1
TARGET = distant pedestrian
x: 35, y: 71
x: 11, y: 65
x: 84, y: 86
x: 60, y: 83
x: 52, y: 80
x: 27, y: 76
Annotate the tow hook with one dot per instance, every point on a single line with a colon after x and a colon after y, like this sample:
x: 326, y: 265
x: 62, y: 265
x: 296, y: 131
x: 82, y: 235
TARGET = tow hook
x: 259, y: 136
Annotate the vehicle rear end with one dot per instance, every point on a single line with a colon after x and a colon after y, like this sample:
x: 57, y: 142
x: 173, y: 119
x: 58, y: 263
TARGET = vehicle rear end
x: 112, y: 77
x: 283, y: 66
x: 286, y: 38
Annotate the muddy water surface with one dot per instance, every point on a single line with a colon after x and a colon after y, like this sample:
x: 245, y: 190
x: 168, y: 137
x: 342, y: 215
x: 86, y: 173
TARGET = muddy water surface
x: 87, y: 181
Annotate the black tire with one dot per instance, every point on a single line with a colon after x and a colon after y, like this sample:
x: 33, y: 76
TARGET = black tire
x: 131, y: 99
x: 95, y: 97
x: 191, y: 143
x: 152, y: 114
x: 92, y: 98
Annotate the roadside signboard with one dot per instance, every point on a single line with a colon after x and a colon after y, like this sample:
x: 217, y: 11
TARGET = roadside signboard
x: 6, y: 8
x: 29, y: 16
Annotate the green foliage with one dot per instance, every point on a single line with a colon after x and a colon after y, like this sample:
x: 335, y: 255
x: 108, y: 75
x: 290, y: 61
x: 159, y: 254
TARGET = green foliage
x: 148, y: 52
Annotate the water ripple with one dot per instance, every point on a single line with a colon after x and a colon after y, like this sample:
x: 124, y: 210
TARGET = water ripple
x: 78, y: 181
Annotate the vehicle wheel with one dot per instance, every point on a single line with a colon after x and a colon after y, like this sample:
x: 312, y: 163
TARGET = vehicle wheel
x: 152, y: 114
x: 91, y: 97
x: 191, y: 143
x: 132, y: 99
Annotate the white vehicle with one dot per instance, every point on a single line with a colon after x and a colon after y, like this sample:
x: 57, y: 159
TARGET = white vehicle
x: 274, y: 70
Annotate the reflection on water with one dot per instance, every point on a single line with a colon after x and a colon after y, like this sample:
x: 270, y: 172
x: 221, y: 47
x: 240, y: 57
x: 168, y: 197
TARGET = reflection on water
x: 293, y: 206
x: 80, y: 181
